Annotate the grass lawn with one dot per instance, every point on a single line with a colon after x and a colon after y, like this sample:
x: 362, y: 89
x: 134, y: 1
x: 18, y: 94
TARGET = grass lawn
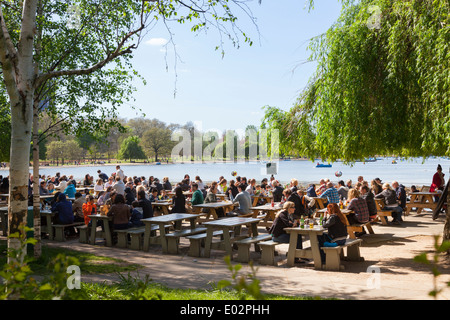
x: 128, y: 287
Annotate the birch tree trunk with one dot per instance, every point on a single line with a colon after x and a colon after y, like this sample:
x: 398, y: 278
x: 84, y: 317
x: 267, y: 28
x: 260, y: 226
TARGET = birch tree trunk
x: 19, y: 75
x: 36, y: 193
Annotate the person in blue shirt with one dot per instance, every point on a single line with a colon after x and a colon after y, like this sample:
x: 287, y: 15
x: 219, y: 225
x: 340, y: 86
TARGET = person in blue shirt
x: 70, y: 190
x: 331, y: 194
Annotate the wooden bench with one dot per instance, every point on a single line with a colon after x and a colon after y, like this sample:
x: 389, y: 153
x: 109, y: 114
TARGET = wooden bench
x: 173, y: 238
x: 335, y: 254
x: 84, y: 232
x: 197, y: 242
x: 268, y: 252
x: 359, y: 227
x: 59, y: 230
x: 382, y: 214
x: 135, y: 235
x: 244, y: 246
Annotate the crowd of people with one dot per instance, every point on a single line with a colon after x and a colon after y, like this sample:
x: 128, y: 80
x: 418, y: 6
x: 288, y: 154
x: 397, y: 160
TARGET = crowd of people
x: 129, y: 199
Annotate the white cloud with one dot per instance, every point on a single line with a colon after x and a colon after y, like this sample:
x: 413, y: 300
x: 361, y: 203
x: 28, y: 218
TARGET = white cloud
x: 156, y: 42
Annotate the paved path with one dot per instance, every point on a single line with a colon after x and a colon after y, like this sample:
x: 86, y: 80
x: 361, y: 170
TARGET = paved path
x: 388, y: 253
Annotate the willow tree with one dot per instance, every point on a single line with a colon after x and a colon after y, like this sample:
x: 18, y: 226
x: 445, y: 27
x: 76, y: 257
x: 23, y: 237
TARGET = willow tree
x: 381, y: 87
x: 98, y: 33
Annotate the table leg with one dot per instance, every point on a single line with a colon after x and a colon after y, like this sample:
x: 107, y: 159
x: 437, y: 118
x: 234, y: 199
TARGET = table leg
x: 93, y: 230
x: 108, y: 233
x: 292, y: 247
x: 49, y: 226
x: 227, y: 243
x: 147, y: 234
x: 208, y: 242
x: 315, y: 251
x: 162, y: 233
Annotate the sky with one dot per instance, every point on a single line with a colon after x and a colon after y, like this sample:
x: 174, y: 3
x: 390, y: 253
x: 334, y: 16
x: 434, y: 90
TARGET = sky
x: 229, y: 92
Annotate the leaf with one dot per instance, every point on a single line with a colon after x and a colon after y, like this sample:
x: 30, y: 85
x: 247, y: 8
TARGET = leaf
x: 422, y: 258
x: 223, y: 284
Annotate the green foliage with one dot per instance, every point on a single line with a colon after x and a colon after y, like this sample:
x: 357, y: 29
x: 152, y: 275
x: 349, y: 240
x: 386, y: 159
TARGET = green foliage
x: 381, y: 86
x: 239, y: 282
x: 434, y: 264
x: 18, y: 282
x: 131, y: 149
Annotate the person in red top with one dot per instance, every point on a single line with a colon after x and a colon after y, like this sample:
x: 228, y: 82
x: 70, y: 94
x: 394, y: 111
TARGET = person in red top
x: 89, y: 207
x: 438, y: 182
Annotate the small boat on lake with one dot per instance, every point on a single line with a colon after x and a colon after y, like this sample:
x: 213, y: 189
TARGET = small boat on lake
x: 322, y: 165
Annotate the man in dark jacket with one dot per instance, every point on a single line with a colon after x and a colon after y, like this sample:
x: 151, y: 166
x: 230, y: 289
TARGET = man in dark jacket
x: 401, y: 193
x: 370, y: 199
x: 63, y: 210
x: 145, y: 204
x: 277, y: 191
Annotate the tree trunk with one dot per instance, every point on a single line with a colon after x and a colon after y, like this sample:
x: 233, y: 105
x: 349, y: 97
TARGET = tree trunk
x: 446, y: 235
x: 36, y: 193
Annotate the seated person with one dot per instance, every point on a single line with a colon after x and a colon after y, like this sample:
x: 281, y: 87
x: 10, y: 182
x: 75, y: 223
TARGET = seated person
x: 121, y: 213
x: 390, y: 203
x: 245, y: 202
x: 89, y: 208
x: 77, y: 207
x: 197, y: 196
x: 359, y: 206
x: 335, y: 223
x: 136, y: 215
x: 285, y: 219
x: 331, y: 194
x: 370, y: 200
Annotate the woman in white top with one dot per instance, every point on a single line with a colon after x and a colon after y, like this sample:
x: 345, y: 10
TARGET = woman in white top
x: 99, y: 186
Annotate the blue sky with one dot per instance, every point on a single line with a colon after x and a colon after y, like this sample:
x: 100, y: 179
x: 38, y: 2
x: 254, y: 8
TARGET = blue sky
x: 229, y: 93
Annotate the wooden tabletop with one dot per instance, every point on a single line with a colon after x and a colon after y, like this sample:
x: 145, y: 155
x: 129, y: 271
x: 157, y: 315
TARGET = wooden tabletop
x: 267, y: 207
x: 171, y: 217
x: 231, y: 222
x: 217, y: 204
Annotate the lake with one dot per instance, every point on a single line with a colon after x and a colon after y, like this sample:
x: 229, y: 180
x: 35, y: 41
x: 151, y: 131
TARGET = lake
x: 406, y: 172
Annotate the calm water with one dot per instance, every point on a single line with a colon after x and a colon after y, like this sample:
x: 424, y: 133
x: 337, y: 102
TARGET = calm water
x: 407, y: 172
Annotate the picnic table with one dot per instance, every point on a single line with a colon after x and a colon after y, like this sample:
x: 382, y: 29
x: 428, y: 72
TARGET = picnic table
x: 421, y: 200
x: 312, y: 252
x: 320, y: 202
x: 256, y: 198
x: 233, y: 223
x: 47, y: 213
x: 269, y: 212
x: 164, y: 205
x: 107, y: 234
x: 212, y: 207
x: 162, y: 221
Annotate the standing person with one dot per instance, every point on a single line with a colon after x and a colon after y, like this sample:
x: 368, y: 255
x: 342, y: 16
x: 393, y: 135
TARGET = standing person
x: 390, y: 203
x: 119, y: 173
x: 102, y: 175
x: 285, y: 219
x: 334, y: 222
x: 438, y: 182
x: 121, y: 213
x: 179, y: 201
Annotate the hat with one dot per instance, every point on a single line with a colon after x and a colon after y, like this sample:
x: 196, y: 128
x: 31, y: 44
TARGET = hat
x: 378, y: 179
